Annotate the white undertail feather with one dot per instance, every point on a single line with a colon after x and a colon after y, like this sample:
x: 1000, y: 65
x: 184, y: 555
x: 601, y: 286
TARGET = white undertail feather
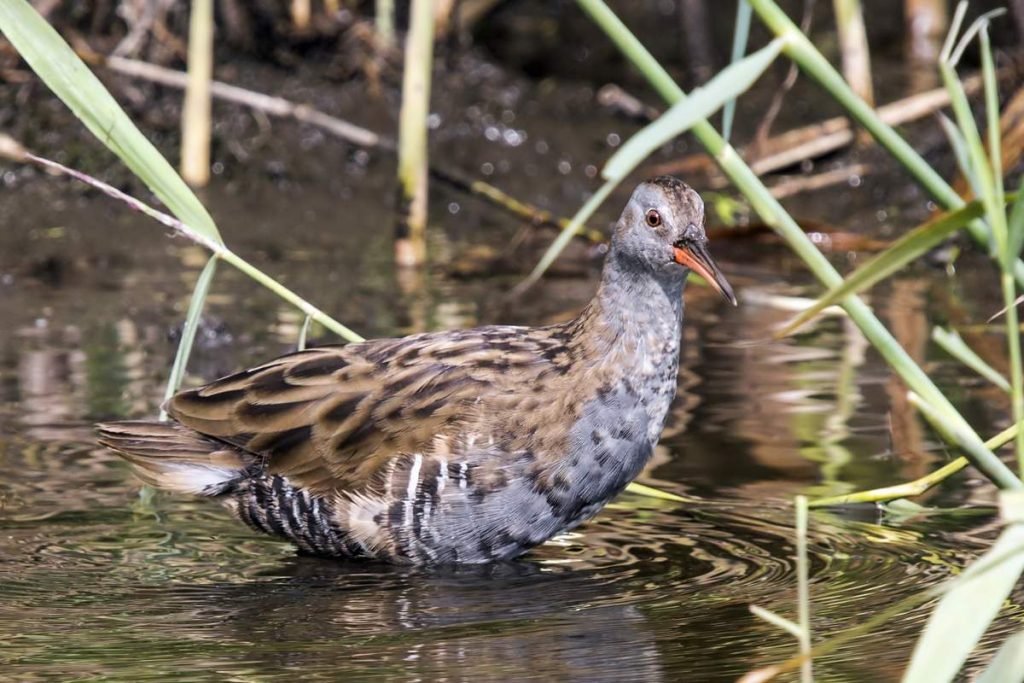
x: 359, y: 514
x: 198, y: 480
x: 168, y: 456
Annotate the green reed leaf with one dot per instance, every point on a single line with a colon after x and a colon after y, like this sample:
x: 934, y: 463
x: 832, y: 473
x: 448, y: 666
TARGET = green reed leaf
x: 912, y: 245
x: 1015, y: 228
x: 61, y: 69
x: 955, y: 346
x: 741, y: 33
x: 976, y: 26
x: 731, y: 82
x: 1008, y: 663
x: 978, y: 158
x: 954, y: 31
x: 790, y: 627
x: 966, y: 610
x: 188, y: 331
x: 651, y: 492
x: 959, y: 147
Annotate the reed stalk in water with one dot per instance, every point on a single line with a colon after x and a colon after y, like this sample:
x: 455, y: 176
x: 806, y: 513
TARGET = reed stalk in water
x: 301, y: 14
x: 385, y: 22
x: 410, y: 238
x: 853, y: 48
x: 196, y: 113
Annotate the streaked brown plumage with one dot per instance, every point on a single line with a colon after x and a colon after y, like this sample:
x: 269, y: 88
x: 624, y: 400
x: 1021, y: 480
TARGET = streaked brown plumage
x: 459, y: 446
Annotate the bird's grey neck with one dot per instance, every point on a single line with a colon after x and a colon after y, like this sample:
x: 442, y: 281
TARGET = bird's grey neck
x: 633, y: 304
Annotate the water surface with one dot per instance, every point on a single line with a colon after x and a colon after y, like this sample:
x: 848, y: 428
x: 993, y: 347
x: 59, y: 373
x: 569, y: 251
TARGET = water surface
x: 99, y: 581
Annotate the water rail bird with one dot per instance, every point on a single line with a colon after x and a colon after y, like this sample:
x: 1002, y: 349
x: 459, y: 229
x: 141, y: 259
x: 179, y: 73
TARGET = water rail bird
x: 464, y: 446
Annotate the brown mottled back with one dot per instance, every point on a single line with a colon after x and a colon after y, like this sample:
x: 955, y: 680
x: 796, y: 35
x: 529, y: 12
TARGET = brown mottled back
x: 328, y: 418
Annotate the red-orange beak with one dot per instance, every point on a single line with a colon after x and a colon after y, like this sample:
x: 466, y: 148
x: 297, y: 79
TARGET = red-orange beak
x: 694, y: 255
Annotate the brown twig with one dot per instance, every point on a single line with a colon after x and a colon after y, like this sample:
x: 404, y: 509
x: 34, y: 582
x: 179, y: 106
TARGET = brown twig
x: 275, y: 106
x: 533, y: 214
x: 12, y: 149
x: 166, y: 219
x: 818, y: 181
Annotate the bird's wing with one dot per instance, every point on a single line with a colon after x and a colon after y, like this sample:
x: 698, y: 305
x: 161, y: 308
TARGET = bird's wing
x: 331, y: 418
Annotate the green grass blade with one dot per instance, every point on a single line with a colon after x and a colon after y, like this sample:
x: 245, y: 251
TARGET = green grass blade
x: 977, y: 26
x: 741, y: 33
x: 303, y: 333
x: 651, y: 492
x: 990, y: 180
x: 564, y: 237
x: 954, y: 30
x: 731, y: 82
x: 959, y: 147
x: 1015, y: 229
x: 994, y: 130
x: 955, y: 346
x: 904, y: 250
x: 960, y: 434
x: 790, y: 627
x: 979, y: 162
x: 188, y: 332
x: 964, y: 613
x: 803, y: 578
x: 1008, y: 663
x: 58, y: 66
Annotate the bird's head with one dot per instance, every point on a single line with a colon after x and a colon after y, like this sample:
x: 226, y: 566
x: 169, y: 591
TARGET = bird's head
x: 662, y: 229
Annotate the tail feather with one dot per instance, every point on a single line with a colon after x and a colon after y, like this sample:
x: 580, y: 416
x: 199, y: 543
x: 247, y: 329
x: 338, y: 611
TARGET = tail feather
x: 169, y: 456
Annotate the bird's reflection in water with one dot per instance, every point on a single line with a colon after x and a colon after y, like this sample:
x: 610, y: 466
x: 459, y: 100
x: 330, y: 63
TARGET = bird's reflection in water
x: 498, y: 622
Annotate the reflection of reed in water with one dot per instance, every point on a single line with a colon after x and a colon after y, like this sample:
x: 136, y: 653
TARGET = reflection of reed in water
x: 63, y: 380
x: 905, y: 313
x: 780, y: 393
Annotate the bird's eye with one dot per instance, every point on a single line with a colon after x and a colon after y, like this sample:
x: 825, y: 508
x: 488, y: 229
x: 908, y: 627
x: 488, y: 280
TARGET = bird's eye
x: 653, y: 218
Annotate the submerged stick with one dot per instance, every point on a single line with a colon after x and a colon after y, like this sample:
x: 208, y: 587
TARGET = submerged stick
x: 516, y: 207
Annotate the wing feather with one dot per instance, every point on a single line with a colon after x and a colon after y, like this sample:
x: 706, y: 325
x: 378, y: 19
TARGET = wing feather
x: 333, y: 417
